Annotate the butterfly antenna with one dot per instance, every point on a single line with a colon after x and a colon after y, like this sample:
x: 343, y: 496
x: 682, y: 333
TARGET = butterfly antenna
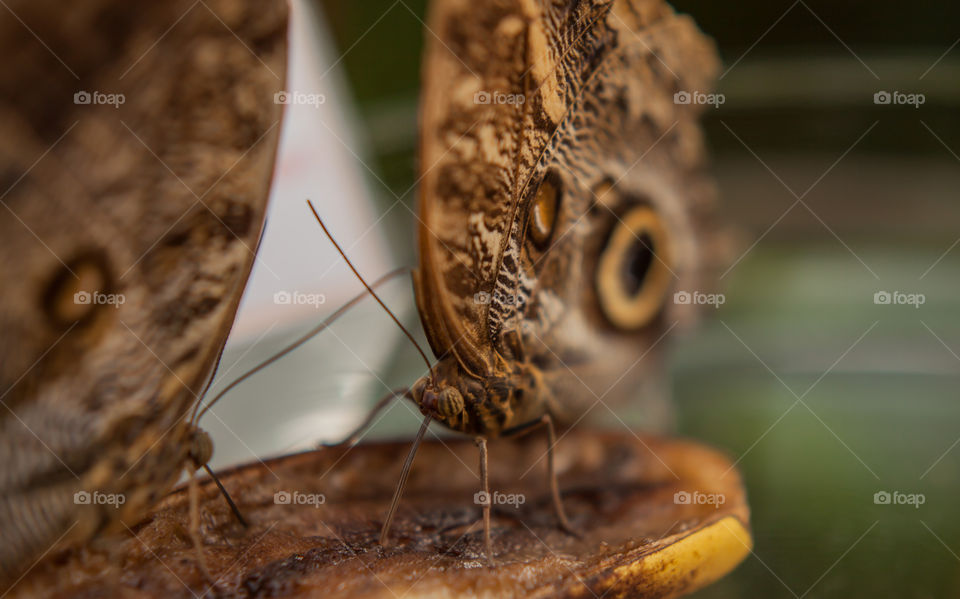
x: 370, y: 289
x: 303, y: 339
x: 385, y: 531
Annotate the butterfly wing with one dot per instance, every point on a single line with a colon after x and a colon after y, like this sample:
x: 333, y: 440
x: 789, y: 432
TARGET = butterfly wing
x: 577, y: 98
x: 498, y: 77
x: 137, y: 153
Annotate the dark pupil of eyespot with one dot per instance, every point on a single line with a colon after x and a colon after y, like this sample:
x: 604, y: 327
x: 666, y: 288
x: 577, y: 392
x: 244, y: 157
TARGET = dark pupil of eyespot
x: 637, y: 264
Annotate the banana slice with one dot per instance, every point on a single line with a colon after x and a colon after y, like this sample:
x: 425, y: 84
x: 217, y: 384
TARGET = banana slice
x: 656, y: 518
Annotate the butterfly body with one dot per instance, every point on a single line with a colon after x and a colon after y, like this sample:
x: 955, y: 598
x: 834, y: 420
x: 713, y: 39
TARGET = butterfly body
x: 484, y: 406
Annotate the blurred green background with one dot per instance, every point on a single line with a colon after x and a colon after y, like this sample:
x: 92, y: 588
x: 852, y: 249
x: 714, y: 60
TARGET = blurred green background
x: 823, y: 396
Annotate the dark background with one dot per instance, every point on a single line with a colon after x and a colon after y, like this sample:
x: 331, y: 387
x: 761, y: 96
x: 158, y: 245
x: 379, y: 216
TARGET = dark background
x: 823, y: 396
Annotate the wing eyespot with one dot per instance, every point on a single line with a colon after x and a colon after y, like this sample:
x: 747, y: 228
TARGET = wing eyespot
x: 544, y: 211
x: 78, y: 289
x: 633, y: 273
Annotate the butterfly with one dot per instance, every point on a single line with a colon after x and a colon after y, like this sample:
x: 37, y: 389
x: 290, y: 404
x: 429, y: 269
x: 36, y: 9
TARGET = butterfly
x: 137, y: 155
x: 564, y: 198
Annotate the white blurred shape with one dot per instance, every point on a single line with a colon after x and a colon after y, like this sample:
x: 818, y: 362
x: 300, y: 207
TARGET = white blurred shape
x: 325, y: 387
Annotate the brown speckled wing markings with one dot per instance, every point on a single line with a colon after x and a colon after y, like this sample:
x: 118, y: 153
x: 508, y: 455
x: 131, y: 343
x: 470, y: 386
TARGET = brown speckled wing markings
x: 624, y: 130
x: 160, y: 200
x: 478, y: 155
x: 598, y: 80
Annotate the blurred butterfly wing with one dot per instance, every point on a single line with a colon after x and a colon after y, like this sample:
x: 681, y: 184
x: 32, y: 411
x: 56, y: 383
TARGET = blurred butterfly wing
x: 625, y: 146
x: 137, y: 153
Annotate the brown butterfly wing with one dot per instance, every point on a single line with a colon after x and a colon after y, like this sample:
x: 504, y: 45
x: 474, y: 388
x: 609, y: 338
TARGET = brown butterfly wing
x: 499, y: 76
x: 152, y: 207
x: 517, y: 91
x: 625, y: 150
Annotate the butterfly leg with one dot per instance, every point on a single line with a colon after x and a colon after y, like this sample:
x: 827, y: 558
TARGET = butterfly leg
x: 547, y: 421
x: 201, y: 451
x: 552, y: 475
x: 226, y: 496
x: 485, y: 481
x: 194, y: 527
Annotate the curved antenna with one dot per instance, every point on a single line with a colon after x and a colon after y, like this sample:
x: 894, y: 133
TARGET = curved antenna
x: 198, y: 413
x: 385, y: 531
x: 372, y: 292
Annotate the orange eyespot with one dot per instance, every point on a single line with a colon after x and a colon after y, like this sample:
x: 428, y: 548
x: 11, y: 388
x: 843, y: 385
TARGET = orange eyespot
x: 73, y: 293
x: 633, y: 274
x: 544, y: 211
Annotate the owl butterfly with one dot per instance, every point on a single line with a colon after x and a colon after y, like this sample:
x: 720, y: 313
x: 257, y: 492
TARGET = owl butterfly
x: 137, y: 150
x: 563, y: 199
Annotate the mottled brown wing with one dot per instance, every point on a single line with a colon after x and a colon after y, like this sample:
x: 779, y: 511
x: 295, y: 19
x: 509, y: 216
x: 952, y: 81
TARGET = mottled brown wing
x: 137, y: 151
x: 581, y: 91
x: 498, y: 75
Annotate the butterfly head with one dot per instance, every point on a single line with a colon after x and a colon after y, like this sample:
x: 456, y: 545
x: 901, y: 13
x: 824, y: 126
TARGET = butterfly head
x: 442, y: 404
x: 200, y: 446
x: 439, y: 399
x: 445, y: 394
x: 466, y: 404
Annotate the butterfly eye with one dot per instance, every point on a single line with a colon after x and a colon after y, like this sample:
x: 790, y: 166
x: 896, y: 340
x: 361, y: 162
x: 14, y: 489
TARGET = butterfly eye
x: 633, y: 274
x: 450, y: 403
x: 543, y: 212
x: 77, y: 290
